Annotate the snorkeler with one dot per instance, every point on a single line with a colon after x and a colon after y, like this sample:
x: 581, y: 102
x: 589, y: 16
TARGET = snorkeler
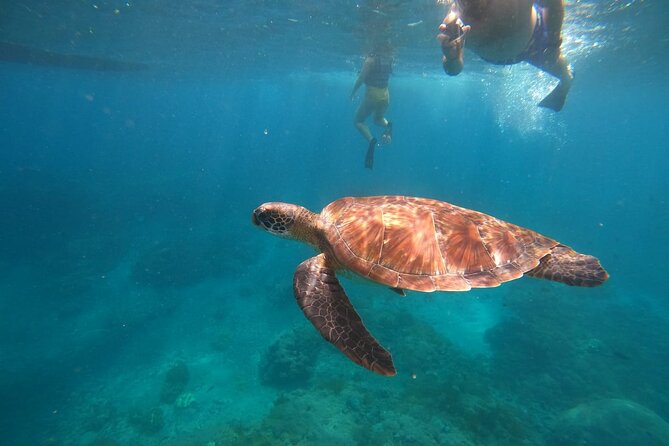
x: 375, y: 73
x: 506, y: 32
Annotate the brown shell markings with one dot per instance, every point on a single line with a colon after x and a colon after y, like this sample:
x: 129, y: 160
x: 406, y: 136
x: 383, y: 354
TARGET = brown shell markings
x: 429, y: 245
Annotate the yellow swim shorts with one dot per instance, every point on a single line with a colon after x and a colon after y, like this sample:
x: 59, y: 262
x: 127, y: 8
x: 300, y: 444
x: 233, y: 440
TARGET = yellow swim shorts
x: 377, y: 95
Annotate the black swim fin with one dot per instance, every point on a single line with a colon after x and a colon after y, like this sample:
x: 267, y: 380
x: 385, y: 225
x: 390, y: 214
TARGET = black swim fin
x: 555, y: 99
x: 369, y: 158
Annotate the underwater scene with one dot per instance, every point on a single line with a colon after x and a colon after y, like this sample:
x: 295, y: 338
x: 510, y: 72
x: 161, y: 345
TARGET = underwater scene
x: 145, y: 298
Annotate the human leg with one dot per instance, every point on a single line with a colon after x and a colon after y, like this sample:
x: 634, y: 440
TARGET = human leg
x: 561, y: 69
x: 546, y: 53
x: 364, y: 110
x: 381, y: 105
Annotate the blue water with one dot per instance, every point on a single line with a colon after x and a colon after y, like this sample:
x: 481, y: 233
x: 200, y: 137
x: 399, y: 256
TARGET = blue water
x: 139, y: 305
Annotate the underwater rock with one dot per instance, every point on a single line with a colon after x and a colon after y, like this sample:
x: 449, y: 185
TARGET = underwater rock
x: 175, y: 383
x: 146, y: 421
x: 610, y: 422
x: 289, y: 362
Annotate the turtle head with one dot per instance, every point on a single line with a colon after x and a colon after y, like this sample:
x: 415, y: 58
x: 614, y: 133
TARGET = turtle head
x: 277, y: 218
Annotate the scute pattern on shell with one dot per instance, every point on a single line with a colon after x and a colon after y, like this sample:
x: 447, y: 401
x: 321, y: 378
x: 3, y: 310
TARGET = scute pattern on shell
x: 429, y: 245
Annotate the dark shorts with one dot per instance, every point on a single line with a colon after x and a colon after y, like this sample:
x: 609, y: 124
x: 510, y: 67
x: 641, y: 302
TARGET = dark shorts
x: 541, y: 49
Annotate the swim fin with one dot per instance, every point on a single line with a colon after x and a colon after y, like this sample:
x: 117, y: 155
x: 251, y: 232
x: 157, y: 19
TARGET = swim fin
x: 369, y: 159
x: 555, y: 99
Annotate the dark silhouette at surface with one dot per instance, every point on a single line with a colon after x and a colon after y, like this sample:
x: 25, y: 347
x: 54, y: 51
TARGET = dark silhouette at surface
x: 13, y: 52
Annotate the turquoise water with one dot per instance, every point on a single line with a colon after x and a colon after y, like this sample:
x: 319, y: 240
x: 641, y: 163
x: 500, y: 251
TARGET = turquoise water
x: 139, y: 305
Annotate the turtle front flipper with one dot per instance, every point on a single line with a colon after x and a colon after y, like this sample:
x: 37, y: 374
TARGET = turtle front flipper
x: 326, y: 305
x: 565, y: 265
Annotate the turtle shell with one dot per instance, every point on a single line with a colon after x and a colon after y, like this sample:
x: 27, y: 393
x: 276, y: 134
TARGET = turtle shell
x: 428, y: 245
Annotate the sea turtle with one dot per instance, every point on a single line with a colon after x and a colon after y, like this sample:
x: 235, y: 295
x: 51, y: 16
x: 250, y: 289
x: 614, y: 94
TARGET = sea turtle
x: 409, y: 243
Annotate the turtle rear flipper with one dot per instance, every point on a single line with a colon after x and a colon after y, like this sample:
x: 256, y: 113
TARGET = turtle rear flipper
x: 326, y: 305
x: 565, y: 265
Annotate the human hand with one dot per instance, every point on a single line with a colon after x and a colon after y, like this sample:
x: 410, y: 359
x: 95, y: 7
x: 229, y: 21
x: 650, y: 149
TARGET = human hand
x: 451, y: 35
x: 452, y: 38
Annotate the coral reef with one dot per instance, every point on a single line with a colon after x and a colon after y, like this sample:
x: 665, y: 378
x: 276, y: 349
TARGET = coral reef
x: 610, y: 422
x: 184, y: 400
x: 176, y: 380
x: 98, y: 415
x: 556, y: 350
x: 444, y: 397
x: 103, y: 442
x: 547, y: 356
x: 146, y: 421
x: 289, y: 362
x: 453, y: 387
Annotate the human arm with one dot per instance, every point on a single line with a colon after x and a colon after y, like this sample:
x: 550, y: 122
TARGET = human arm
x: 366, y: 66
x: 452, y: 38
